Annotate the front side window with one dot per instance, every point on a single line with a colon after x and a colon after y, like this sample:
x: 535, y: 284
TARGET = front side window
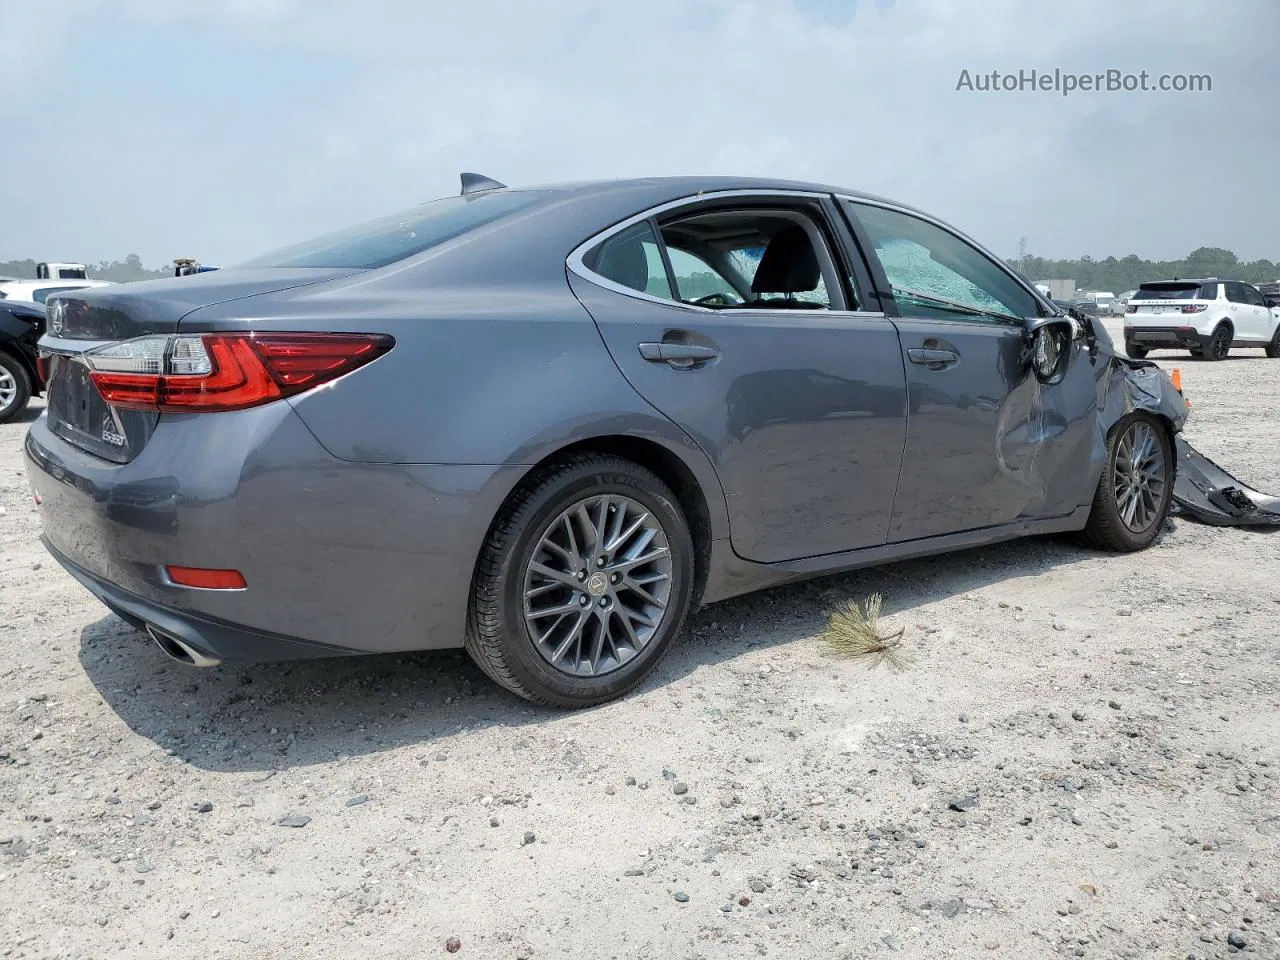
x: 933, y: 273
x: 1251, y: 296
x: 385, y: 240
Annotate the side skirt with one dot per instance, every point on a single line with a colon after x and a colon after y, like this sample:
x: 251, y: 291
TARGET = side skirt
x: 731, y: 576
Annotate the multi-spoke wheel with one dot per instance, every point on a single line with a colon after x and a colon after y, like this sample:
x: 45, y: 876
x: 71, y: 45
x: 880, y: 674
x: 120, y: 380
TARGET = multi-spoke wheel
x: 597, y: 585
x: 584, y: 581
x: 15, y: 387
x: 1136, y: 487
x: 1220, y: 342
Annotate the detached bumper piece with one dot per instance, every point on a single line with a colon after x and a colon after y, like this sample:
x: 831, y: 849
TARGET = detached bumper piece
x: 1205, y: 492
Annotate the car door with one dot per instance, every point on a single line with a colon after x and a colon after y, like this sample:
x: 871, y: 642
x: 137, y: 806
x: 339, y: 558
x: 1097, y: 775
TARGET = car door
x: 1259, y: 329
x: 797, y: 395
x: 986, y: 443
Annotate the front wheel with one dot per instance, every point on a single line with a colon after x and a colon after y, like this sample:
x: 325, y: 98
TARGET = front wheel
x: 584, y: 581
x: 1273, y: 348
x: 15, y: 387
x: 1136, y: 487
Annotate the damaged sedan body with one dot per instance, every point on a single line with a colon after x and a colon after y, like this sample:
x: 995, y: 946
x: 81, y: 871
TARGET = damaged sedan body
x: 546, y: 423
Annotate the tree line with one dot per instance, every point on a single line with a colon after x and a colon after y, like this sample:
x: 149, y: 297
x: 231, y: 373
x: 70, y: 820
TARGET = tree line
x: 1126, y: 273
x: 119, y: 271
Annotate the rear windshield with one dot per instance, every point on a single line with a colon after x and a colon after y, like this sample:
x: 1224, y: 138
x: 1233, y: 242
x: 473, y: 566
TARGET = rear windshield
x: 399, y: 235
x: 1168, y: 291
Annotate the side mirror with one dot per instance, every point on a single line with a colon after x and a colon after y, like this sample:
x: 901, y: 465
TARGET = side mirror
x: 1049, y: 342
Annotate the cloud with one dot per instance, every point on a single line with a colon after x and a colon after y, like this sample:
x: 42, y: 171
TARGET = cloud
x: 406, y: 94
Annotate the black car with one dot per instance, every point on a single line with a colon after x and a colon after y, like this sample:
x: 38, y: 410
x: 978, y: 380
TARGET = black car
x: 21, y: 325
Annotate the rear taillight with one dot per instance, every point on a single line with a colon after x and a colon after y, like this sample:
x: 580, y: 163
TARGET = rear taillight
x: 208, y: 372
x: 1195, y: 307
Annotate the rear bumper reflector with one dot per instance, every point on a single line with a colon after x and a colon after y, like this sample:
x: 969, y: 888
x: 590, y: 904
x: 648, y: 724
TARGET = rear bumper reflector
x: 205, y: 579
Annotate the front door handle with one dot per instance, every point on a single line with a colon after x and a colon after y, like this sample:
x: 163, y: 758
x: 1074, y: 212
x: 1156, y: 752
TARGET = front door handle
x: 677, y: 354
x: 930, y: 357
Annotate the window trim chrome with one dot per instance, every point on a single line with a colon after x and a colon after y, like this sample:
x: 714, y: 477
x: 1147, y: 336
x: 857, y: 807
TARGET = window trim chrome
x: 576, y: 264
x: 997, y: 262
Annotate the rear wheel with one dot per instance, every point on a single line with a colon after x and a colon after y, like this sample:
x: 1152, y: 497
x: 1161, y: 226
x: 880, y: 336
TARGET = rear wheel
x: 584, y: 580
x: 1136, y: 486
x: 1220, y: 342
x: 15, y: 387
x: 1135, y: 351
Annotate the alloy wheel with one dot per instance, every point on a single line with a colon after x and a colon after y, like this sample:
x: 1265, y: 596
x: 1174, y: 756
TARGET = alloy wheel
x: 597, y: 585
x: 8, y: 389
x: 1221, y: 342
x: 1139, y: 476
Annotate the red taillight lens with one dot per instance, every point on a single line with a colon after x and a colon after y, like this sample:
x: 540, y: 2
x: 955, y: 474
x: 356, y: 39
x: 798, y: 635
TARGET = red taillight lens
x: 1194, y: 307
x: 205, y: 579
x: 204, y: 373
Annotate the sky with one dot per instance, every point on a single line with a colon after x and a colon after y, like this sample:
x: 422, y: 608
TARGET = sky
x: 225, y: 128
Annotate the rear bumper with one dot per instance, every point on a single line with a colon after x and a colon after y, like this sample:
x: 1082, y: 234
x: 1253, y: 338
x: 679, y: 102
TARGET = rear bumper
x: 198, y: 640
x: 338, y: 557
x: 1167, y: 337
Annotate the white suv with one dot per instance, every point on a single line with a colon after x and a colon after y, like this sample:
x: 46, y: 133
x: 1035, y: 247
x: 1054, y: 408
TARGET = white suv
x: 1207, y: 317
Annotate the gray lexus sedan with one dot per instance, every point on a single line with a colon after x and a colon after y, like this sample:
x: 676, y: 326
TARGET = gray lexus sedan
x: 545, y: 423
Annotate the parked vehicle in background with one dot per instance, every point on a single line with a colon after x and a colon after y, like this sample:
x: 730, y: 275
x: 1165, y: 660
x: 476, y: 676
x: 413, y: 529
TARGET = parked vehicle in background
x: 365, y: 443
x: 61, y: 271
x: 21, y: 326
x: 1104, y: 299
x: 1207, y: 317
x: 1121, y: 303
x: 37, y: 291
x: 1086, y: 305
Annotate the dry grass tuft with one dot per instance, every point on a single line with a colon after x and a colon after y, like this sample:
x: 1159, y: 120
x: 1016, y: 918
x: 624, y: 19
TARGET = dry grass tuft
x: 854, y: 632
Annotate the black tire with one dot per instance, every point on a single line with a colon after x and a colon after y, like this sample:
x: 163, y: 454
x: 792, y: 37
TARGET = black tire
x: 1106, y: 528
x: 1273, y: 348
x: 1135, y: 351
x: 1220, y: 342
x: 1197, y: 352
x: 17, y: 384
x: 498, y: 636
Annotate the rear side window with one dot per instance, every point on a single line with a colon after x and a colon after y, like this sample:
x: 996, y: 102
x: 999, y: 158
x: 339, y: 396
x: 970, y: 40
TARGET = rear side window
x: 385, y: 240
x: 632, y: 259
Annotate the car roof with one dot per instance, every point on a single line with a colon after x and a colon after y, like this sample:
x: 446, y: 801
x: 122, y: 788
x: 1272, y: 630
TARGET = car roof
x: 661, y: 189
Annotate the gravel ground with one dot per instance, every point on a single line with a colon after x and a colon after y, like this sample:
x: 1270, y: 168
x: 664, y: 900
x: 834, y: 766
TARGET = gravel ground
x: 1082, y: 760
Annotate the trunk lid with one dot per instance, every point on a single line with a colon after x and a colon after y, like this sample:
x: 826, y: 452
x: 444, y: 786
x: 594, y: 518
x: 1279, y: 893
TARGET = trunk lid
x: 90, y: 318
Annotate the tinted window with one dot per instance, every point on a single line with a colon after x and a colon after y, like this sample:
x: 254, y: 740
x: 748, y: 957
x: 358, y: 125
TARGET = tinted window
x: 1233, y: 293
x: 72, y: 273
x: 1250, y: 295
x: 935, y: 273
x: 42, y: 294
x: 631, y: 259
x: 1168, y: 291
x: 385, y: 240
x: 1209, y: 291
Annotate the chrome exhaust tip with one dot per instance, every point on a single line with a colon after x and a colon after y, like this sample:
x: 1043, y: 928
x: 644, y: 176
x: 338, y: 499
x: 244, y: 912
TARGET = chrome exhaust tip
x: 179, y: 650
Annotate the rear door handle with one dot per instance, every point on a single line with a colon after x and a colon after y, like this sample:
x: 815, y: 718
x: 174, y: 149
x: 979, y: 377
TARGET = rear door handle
x: 926, y: 356
x: 677, y: 354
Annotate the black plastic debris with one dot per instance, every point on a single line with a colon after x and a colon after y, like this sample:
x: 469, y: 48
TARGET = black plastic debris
x: 1205, y: 492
